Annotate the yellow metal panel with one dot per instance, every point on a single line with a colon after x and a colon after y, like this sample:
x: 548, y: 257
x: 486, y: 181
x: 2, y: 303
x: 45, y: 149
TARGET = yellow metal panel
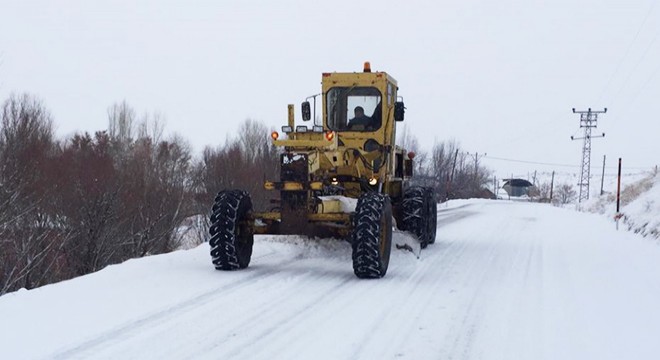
x: 316, y: 185
x: 292, y: 120
x: 267, y: 216
x: 329, y: 206
x: 325, y: 144
x: 292, y: 185
x: 284, y: 185
x: 337, y: 217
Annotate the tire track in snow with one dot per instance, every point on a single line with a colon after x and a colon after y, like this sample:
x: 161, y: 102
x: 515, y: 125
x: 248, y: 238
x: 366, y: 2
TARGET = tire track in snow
x: 219, y: 315
x: 327, y: 312
x: 278, y: 328
x: 127, y: 329
x: 263, y: 311
x: 496, y: 276
x: 420, y: 291
x: 415, y: 298
x: 525, y: 304
x: 285, y: 323
x: 464, y: 327
x: 266, y: 311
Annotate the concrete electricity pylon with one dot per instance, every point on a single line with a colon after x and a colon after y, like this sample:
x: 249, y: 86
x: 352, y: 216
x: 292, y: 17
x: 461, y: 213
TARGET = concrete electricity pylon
x: 588, y: 121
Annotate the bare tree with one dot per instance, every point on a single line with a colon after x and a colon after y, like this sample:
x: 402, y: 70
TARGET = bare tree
x: 152, y: 126
x: 88, y: 201
x: 451, y: 172
x: 254, y: 140
x: 28, y: 235
x: 243, y: 163
x: 121, y: 123
x: 407, y: 140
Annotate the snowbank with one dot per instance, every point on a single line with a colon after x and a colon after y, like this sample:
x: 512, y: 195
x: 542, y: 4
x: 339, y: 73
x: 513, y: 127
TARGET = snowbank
x: 639, y: 205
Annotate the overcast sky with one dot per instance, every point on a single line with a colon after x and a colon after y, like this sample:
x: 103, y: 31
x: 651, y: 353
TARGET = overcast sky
x: 500, y: 77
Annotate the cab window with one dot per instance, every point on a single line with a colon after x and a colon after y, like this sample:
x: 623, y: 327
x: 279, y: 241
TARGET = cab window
x: 354, y: 108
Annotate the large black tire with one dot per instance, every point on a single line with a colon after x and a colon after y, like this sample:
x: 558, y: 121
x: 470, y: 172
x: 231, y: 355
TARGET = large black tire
x: 372, y: 236
x: 419, y: 215
x: 231, y: 234
x: 432, y: 215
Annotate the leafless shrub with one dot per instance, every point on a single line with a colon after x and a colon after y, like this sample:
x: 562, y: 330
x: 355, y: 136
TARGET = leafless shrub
x: 564, y: 194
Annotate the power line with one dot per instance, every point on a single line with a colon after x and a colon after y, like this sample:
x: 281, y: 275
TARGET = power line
x: 625, y: 54
x: 529, y: 162
x: 557, y: 164
x: 639, y: 61
x: 646, y: 83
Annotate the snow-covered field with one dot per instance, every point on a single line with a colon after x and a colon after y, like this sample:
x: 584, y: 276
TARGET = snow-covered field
x: 505, y: 280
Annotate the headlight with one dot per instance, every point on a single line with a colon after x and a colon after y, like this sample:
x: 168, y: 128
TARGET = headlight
x: 373, y: 181
x: 287, y: 129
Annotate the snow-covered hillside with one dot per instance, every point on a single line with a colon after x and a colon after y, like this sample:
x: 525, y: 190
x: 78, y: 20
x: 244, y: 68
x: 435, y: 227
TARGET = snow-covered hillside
x: 639, y: 204
x: 504, y: 280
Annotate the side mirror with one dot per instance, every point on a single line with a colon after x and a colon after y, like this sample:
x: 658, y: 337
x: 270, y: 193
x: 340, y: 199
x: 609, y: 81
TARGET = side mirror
x: 306, y: 111
x: 399, y: 110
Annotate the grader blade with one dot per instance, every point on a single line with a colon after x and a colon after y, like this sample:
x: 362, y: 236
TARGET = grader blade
x: 405, y: 241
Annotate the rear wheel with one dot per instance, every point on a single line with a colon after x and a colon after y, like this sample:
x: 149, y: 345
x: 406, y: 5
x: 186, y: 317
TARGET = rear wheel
x: 372, y: 236
x: 231, y: 234
x: 432, y: 215
x: 420, y: 214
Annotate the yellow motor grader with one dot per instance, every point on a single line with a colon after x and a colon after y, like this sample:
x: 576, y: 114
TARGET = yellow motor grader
x: 343, y: 176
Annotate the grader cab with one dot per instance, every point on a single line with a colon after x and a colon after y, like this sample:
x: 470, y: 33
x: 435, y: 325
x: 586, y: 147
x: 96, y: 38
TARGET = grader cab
x: 342, y: 176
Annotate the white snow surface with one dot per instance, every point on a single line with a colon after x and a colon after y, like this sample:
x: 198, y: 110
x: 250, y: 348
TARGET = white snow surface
x: 639, y: 205
x: 642, y: 213
x: 348, y: 204
x: 504, y: 280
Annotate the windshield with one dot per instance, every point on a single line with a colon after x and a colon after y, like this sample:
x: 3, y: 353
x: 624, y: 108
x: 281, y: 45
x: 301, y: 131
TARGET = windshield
x: 354, y: 108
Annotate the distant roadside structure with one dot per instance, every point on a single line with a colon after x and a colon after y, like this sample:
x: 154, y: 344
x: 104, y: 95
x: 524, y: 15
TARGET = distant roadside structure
x: 486, y: 194
x: 520, y: 188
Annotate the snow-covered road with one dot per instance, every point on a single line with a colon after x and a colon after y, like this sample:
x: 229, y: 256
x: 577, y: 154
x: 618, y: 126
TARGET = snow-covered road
x: 504, y: 281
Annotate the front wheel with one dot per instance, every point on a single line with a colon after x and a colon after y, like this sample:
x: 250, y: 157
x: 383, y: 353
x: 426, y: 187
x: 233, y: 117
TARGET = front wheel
x: 372, y: 236
x: 231, y: 233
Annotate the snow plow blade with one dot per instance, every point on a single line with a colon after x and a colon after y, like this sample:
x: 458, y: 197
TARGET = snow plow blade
x: 405, y: 241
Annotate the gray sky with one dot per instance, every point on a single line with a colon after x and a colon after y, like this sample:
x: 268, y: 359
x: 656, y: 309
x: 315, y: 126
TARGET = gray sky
x: 500, y: 77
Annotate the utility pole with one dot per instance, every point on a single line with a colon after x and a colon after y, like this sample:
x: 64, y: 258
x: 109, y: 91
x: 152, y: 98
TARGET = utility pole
x: 552, y: 185
x: 476, y: 163
x: 451, y: 178
x: 588, y: 121
x: 618, y: 196
x: 495, y: 186
x: 477, y: 185
x: 602, y: 178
